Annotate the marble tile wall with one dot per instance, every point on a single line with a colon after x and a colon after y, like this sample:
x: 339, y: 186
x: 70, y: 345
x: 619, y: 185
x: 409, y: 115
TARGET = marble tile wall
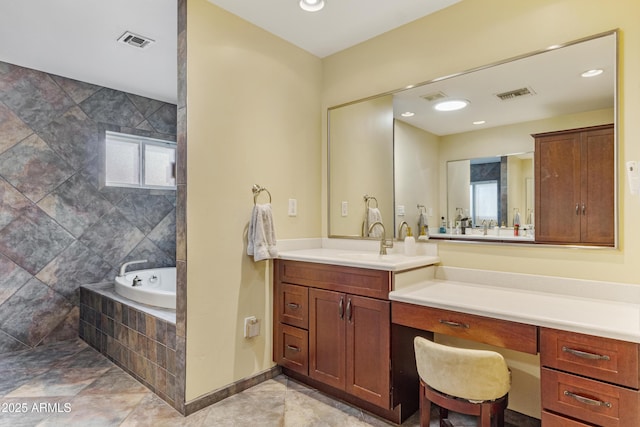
x: 58, y: 228
x: 138, y: 342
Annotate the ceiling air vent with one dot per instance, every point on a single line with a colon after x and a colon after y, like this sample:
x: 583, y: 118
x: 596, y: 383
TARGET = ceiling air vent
x: 433, y: 96
x: 135, y: 40
x: 512, y: 94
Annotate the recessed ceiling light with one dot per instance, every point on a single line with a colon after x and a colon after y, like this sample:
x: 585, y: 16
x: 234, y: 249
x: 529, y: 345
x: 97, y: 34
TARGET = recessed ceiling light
x: 408, y: 114
x: 592, y: 73
x: 479, y: 122
x: 311, y: 5
x: 451, y: 105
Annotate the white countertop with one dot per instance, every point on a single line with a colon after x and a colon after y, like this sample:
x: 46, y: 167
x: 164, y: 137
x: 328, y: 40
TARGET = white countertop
x: 362, y: 259
x: 609, y: 317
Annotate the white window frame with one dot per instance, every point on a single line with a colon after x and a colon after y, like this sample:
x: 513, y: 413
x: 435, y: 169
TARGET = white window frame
x: 142, y: 142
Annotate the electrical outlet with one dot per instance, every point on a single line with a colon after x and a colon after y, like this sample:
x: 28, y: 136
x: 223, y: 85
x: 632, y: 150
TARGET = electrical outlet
x: 293, y: 207
x: 251, y: 327
x: 400, y: 210
x: 345, y: 208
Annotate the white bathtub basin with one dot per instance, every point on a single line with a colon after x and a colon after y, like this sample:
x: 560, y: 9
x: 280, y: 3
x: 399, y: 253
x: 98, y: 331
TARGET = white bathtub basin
x: 157, y: 286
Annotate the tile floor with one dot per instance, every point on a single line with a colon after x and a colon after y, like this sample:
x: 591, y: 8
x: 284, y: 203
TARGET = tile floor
x: 71, y: 384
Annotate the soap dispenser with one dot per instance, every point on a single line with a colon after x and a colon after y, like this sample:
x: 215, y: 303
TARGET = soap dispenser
x: 409, y: 243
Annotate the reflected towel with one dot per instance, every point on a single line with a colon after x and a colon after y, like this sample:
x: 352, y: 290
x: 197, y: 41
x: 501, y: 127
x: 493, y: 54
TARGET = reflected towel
x: 373, y: 215
x: 423, y: 222
x: 261, y: 236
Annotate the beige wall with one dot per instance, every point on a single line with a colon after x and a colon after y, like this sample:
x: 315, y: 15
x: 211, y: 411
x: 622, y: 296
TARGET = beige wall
x: 477, y: 32
x: 361, y: 158
x: 253, y: 117
x: 416, y: 174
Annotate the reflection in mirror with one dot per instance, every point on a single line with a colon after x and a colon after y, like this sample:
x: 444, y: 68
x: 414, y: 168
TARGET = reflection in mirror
x: 361, y: 167
x: 507, y: 103
x: 491, y: 191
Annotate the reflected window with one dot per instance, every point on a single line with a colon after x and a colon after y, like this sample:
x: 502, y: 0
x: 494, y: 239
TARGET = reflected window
x: 140, y: 162
x: 484, y: 201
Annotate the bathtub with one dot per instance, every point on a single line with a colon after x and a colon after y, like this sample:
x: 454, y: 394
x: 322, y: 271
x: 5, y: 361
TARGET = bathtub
x: 157, y: 286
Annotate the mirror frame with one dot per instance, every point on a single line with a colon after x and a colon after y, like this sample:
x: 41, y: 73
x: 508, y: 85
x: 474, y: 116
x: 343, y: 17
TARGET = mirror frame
x: 615, y: 32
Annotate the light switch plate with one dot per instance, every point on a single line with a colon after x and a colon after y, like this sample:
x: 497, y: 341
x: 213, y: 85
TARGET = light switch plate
x: 251, y: 327
x: 293, y: 207
x: 345, y: 208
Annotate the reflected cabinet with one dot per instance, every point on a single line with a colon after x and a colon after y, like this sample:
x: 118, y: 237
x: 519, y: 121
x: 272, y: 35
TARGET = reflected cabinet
x: 575, y: 186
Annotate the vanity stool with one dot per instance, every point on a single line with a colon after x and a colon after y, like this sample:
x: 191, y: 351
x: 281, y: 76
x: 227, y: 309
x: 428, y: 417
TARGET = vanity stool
x: 471, y: 382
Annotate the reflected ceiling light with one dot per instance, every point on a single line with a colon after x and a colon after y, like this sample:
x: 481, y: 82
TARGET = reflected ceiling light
x: 311, y: 5
x: 451, y: 105
x: 479, y: 122
x: 592, y: 73
x: 408, y: 114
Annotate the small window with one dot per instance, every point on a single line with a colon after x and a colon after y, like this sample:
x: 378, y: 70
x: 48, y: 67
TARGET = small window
x: 137, y: 161
x: 484, y: 201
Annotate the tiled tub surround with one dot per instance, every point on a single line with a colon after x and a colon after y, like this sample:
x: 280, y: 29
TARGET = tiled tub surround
x: 58, y: 229
x: 141, y: 339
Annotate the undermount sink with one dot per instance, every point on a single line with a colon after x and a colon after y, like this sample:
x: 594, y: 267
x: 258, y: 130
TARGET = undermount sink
x: 362, y: 259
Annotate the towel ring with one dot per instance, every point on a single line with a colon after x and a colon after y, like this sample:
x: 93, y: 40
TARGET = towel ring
x: 368, y: 198
x: 256, y: 192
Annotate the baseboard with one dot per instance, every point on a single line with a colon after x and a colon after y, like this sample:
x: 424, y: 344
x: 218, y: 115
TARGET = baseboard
x: 229, y: 390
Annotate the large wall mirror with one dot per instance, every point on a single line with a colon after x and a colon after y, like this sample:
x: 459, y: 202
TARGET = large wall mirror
x: 476, y: 163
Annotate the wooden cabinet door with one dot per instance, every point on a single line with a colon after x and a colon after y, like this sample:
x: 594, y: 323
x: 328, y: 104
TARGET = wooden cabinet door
x: 598, y: 187
x: 368, y: 349
x: 557, y: 189
x: 327, y: 340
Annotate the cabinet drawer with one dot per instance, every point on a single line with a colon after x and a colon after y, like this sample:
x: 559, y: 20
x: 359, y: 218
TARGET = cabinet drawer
x: 501, y: 333
x: 553, y: 420
x: 589, y: 400
x: 292, y: 349
x: 605, y: 359
x: 293, y: 305
x: 357, y: 281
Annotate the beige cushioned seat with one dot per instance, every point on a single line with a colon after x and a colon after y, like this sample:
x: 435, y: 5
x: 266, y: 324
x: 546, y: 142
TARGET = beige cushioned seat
x: 469, y: 374
x: 474, y: 375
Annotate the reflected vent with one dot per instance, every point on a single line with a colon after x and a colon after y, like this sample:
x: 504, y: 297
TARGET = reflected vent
x: 518, y: 93
x: 135, y: 40
x: 433, y: 96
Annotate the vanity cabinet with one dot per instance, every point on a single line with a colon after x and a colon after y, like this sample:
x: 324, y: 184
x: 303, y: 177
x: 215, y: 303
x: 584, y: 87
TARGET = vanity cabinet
x: 349, y: 344
x: 588, y: 380
x: 575, y: 186
x: 332, y: 331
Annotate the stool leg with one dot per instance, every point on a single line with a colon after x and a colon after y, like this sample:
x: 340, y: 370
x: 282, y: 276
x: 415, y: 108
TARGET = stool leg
x: 425, y: 408
x: 444, y: 415
x: 485, y: 415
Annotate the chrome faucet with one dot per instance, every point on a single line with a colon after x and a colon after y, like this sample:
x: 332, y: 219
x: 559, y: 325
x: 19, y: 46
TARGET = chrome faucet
x: 124, y: 266
x: 402, y: 224
x: 384, y: 244
x: 136, y: 281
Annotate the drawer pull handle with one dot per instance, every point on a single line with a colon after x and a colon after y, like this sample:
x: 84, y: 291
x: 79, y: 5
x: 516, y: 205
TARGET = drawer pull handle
x: 349, y: 310
x: 454, y: 324
x: 586, y: 400
x: 293, y: 305
x: 584, y: 354
x: 341, y: 308
x: 293, y: 348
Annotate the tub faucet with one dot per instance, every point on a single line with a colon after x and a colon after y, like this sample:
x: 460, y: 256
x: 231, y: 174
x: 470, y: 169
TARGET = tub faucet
x: 383, y: 241
x: 124, y: 266
x: 136, y: 281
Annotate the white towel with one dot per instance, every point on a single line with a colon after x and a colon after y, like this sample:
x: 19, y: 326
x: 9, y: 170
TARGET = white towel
x: 373, y: 215
x: 261, y: 236
x: 423, y: 222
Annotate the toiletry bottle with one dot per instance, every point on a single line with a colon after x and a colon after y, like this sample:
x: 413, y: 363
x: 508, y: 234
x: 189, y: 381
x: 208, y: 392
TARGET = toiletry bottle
x: 409, y: 243
x: 443, y: 226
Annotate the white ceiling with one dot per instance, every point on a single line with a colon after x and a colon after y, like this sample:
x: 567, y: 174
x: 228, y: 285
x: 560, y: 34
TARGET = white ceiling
x: 341, y: 24
x: 77, y: 38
